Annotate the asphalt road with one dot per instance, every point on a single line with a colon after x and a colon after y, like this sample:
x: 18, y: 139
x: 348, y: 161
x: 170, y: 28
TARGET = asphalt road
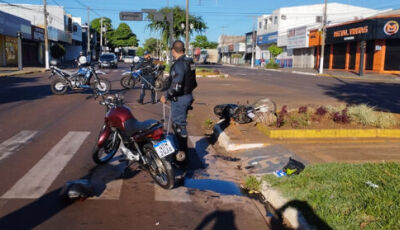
x: 296, y: 89
x: 46, y: 140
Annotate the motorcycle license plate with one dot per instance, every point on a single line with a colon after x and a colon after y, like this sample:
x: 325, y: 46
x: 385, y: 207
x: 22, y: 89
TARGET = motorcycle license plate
x: 164, y: 148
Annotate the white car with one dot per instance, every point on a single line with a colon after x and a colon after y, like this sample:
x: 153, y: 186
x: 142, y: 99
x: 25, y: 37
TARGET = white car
x: 128, y: 59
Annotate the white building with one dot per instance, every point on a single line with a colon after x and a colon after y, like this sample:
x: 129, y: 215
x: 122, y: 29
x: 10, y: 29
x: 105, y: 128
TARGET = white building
x: 60, y: 24
x: 288, y: 28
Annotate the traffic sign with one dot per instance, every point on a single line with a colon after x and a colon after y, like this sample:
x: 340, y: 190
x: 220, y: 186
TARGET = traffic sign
x: 131, y: 16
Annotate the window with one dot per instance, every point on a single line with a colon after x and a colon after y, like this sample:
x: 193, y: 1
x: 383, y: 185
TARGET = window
x: 260, y: 25
x: 265, y: 24
x: 318, y: 19
x: 276, y: 20
x: 75, y: 29
x: 283, y: 17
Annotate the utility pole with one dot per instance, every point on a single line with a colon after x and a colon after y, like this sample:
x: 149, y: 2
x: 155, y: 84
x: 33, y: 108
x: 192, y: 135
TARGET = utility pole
x: 101, y: 35
x: 321, y: 59
x: 187, y: 27
x: 170, y: 18
x: 19, y: 35
x: 253, y: 39
x: 46, y: 36
x: 88, y: 32
x: 363, y: 45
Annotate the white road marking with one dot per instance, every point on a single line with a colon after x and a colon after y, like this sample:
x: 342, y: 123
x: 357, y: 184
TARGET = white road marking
x: 109, y: 175
x: 38, y: 179
x: 11, y: 145
x: 179, y: 194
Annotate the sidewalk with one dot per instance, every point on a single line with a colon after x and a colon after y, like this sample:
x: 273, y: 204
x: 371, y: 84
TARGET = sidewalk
x: 331, y: 73
x: 13, y: 71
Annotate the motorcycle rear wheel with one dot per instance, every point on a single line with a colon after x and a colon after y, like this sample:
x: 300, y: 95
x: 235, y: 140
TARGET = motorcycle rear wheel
x: 106, y: 153
x: 59, y: 87
x: 160, y: 169
x: 128, y: 82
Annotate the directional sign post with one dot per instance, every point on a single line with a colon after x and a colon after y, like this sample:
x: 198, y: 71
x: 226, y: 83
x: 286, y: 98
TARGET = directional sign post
x: 131, y: 16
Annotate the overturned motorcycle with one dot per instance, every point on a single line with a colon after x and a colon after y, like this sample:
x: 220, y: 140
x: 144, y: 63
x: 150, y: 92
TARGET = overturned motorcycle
x: 78, y: 80
x: 143, y: 142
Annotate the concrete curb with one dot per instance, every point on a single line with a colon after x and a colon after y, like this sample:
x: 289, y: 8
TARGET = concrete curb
x: 330, y: 133
x: 16, y: 73
x: 225, y: 141
x: 277, y: 201
x: 213, y: 76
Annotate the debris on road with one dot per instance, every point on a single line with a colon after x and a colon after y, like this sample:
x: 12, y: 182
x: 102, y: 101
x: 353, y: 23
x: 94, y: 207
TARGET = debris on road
x: 77, y: 189
x: 369, y: 183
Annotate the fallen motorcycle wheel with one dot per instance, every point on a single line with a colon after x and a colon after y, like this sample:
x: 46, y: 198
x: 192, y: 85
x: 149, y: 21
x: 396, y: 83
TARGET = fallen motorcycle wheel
x: 128, y: 82
x: 160, y: 169
x: 102, y: 155
x: 59, y: 87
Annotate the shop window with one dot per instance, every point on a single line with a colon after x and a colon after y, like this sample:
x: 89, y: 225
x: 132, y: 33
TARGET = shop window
x: 318, y: 19
x: 276, y: 20
x: 327, y: 55
x: 392, y: 54
x: 339, y: 56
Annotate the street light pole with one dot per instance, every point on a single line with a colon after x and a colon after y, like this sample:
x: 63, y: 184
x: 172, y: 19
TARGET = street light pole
x: 321, y: 59
x: 101, y: 35
x: 187, y: 28
x: 88, y: 31
x: 253, y: 38
x: 19, y: 35
x: 46, y: 36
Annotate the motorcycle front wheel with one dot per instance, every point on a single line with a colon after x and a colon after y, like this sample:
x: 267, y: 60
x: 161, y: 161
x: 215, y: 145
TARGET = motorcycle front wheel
x: 106, y: 153
x: 128, y: 82
x: 59, y: 87
x: 160, y: 169
x: 103, y: 85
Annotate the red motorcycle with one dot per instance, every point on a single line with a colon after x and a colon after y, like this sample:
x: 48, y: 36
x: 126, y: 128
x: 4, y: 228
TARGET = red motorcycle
x: 142, y: 142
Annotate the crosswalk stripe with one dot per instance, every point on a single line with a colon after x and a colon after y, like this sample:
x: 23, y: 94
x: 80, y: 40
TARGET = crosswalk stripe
x: 11, y: 145
x: 39, y: 178
x: 179, y: 194
x: 110, y: 176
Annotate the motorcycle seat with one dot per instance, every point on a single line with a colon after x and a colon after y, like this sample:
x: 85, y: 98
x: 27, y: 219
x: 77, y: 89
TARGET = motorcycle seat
x: 133, y: 126
x: 66, y: 71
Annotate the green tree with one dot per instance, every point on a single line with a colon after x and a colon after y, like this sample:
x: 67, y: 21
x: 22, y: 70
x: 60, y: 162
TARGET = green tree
x: 57, y: 51
x: 275, y: 50
x: 153, y: 45
x: 201, y: 41
x: 122, y: 36
x: 179, y: 17
x: 96, y: 24
x: 140, y: 51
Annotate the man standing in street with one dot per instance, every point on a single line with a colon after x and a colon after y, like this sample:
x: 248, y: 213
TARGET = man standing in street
x: 148, y: 80
x: 183, y: 74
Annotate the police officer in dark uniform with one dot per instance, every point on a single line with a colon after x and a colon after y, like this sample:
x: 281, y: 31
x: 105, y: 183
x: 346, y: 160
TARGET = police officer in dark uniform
x: 183, y: 83
x: 147, y: 66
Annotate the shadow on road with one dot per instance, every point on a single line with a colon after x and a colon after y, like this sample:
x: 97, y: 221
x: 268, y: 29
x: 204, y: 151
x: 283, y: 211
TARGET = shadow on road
x: 221, y: 220
x: 37, y: 212
x: 383, y: 96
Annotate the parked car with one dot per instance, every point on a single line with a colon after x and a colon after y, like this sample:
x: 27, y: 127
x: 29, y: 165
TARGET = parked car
x: 108, y: 60
x: 128, y: 59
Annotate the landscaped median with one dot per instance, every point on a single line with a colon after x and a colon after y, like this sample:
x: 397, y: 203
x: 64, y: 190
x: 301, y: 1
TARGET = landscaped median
x: 341, y: 195
x: 358, y: 121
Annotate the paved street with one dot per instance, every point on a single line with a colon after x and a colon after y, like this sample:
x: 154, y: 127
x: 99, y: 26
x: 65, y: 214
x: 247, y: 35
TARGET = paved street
x: 46, y: 140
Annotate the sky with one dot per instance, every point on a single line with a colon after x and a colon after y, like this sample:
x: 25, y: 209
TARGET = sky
x: 229, y: 17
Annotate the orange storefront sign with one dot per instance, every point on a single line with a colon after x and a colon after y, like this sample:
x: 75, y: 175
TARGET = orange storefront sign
x: 314, y: 38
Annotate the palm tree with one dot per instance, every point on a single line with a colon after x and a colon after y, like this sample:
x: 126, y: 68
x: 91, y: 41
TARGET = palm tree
x: 179, y: 17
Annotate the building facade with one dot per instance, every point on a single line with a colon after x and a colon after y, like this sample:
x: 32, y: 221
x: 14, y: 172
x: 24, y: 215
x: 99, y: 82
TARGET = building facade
x: 288, y: 28
x: 378, y: 35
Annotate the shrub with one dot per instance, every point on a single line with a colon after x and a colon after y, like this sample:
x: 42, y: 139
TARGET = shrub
x: 321, y: 111
x: 281, y: 117
x: 252, y: 184
x: 272, y: 65
x: 342, y: 117
x: 363, y: 114
x: 386, y: 120
x: 303, y: 109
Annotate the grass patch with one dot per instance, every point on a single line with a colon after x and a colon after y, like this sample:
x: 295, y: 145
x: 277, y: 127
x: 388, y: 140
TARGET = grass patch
x: 252, y: 184
x: 339, y: 195
x: 366, y: 115
x: 208, y: 124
